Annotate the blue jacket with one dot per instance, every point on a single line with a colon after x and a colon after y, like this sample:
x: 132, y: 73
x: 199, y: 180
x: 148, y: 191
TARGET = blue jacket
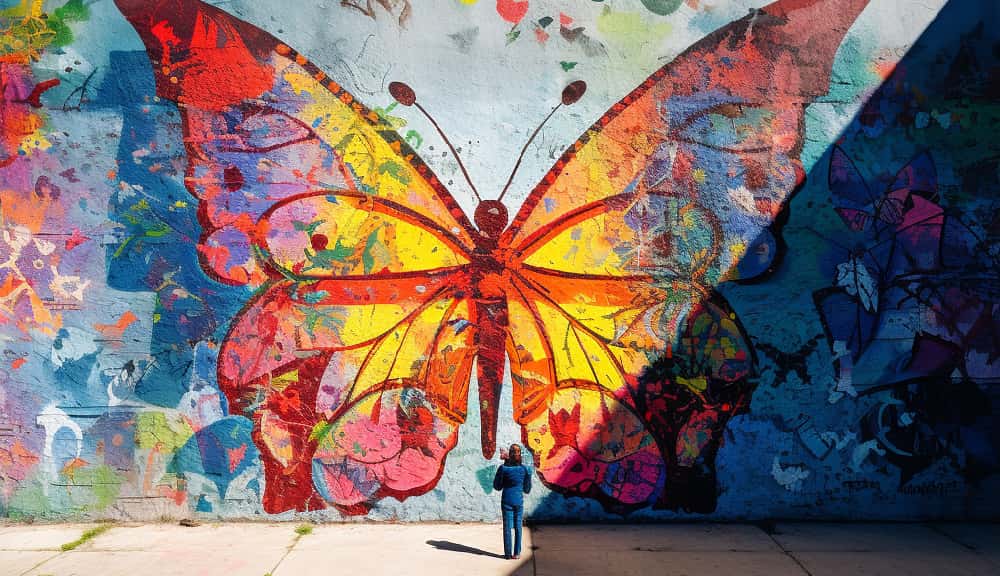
x: 514, y: 481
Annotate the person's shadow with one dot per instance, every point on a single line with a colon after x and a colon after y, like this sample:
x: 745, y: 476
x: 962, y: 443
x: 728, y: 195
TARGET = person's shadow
x: 453, y: 547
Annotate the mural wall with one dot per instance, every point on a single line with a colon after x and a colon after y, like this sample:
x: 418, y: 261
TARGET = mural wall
x: 702, y: 258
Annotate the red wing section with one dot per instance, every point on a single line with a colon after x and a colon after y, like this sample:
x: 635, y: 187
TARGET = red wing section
x: 687, y: 174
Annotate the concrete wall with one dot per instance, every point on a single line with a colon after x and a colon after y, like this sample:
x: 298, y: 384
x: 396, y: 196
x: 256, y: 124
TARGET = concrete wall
x: 243, y: 276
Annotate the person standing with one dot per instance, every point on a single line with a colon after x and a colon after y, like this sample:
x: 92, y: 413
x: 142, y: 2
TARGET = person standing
x: 514, y: 479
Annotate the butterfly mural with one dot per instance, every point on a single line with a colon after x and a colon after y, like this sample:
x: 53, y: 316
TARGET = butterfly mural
x: 894, y: 238
x: 378, y: 301
x: 902, y: 256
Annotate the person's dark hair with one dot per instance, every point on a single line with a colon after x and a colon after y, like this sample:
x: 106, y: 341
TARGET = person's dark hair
x: 514, y: 455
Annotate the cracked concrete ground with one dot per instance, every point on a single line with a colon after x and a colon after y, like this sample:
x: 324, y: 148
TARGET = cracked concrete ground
x: 238, y: 549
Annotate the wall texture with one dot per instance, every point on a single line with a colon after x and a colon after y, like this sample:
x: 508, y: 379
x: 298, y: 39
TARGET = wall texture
x: 268, y: 259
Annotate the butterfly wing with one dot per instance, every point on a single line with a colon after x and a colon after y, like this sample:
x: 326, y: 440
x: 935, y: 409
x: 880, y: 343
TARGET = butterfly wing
x: 846, y: 319
x: 852, y: 198
x: 261, y: 124
x: 914, y: 219
x: 902, y: 234
x: 354, y: 356
x: 627, y: 363
x: 356, y: 388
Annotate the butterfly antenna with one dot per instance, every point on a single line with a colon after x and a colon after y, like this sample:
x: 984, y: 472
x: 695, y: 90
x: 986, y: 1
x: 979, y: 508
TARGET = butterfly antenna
x: 571, y: 93
x: 407, y: 97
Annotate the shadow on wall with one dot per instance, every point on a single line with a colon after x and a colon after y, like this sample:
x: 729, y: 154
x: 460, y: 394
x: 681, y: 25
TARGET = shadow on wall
x: 156, y: 253
x: 872, y: 346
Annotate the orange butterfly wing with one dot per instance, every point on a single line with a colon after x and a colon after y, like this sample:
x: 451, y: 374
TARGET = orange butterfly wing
x: 627, y: 363
x: 353, y: 359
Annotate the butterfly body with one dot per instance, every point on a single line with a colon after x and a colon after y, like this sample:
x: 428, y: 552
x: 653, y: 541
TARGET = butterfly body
x: 374, y: 294
x: 486, y: 285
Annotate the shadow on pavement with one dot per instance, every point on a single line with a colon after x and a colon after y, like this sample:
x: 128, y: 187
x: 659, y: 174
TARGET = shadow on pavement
x: 453, y: 547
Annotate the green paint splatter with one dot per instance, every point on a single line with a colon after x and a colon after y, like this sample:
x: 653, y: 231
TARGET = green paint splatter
x: 485, y: 477
x: 328, y: 317
x: 320, y: 430
x: 28, y: 501
x: 414, y: 139
x: 385, y: 116
x: 368, y: 256
x: 72, y: 11
x: 662, y: 7
x: 315, y: 297
x: 631, y: 31
x: 153, y: 429
x: 307, y: 227
x: 567, y: 66
x: 342, y: 144
x: 104, y: 483
x: 327, y: 259
x: 359, y: 449
x: 394, y: 169
x: 28, y: 34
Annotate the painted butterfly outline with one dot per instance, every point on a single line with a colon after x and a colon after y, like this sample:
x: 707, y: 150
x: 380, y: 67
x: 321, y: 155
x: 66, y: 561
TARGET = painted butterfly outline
x: 899, y: 254
x: 897, y: 240
x: 376, y: 296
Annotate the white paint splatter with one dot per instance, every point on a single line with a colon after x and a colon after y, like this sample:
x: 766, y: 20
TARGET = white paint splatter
x: 861, y: 453
x: 790, y: 477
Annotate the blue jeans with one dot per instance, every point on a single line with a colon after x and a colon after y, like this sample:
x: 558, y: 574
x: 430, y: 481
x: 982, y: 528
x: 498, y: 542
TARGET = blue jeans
x: 512, y: 515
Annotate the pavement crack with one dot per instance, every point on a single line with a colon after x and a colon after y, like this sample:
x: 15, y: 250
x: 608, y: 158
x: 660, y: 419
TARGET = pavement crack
x: 50, y: 558
x: 770, y: 534
x: 948, y: 535
x: 300, y: 531
x: 68, y: 547
x: 282, y: 559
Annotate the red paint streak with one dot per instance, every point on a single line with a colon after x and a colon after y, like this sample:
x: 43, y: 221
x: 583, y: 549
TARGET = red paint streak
x: 75, y: 239
x: 116, y: 330
x: 16, y: 118
x: 235, y: 456
x: 17, y: 462
x: 34, y: 99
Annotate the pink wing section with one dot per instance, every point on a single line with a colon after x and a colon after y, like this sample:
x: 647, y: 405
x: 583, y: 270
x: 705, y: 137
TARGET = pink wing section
x: 356, y: 388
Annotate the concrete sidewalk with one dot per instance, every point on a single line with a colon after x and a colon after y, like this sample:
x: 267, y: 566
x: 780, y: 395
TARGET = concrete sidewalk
x: 450, y: 549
